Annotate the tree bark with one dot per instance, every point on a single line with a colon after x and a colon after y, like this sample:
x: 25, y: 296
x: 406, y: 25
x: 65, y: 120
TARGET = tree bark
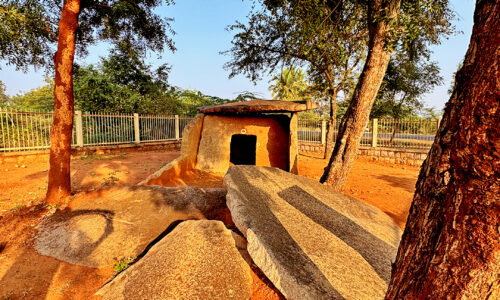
x: 330, y: 142
x: 450, y: 248
x: 380, y: 14
x: 59, y: 184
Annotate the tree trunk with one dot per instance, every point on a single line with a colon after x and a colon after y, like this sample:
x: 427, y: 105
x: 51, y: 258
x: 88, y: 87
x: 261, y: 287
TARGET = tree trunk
x: 451, y: 244
x: 380, y: 13
x: 59, y: 185
x: 330, y: 142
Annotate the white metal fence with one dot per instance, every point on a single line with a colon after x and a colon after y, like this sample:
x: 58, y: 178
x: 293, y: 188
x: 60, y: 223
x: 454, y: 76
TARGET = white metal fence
x: 311, y: 131
x: 409, y: 134
x: 31, y: 130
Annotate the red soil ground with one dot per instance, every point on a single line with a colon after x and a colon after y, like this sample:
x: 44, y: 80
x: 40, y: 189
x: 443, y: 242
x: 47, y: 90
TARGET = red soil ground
x: 25, y: 184
x: 24, y: 274
x: 387, y: 186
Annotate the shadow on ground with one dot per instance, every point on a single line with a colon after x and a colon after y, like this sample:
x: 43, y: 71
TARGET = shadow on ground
x: 25, y: 274
x: 405, y: 183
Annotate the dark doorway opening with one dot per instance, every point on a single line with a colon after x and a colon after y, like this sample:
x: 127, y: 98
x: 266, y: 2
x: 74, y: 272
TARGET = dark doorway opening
x: 243, y: 149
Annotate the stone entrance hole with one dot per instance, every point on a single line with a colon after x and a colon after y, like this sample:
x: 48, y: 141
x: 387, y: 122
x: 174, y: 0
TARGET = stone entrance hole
x: 243, y: 149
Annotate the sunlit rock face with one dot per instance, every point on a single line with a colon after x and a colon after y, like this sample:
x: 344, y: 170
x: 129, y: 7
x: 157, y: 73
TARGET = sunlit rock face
x: 310, y: 241
x: 118, y: 223
x: 197, y: 260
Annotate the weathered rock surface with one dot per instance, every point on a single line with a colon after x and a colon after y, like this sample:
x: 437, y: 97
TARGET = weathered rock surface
x: 259, y: 105
x: 272, y: 138
x: 197, y: 260
x: 112, y: 224
x: 187, y: 159
x: 310, y: 241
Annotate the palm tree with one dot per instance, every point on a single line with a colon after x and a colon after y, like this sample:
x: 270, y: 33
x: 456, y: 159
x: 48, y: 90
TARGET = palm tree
x: 289, y: 85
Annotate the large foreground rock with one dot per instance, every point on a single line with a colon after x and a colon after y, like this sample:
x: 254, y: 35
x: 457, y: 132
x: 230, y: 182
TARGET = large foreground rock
x: 197, y: 260
x: 310, y: 241
x: 117, y: 223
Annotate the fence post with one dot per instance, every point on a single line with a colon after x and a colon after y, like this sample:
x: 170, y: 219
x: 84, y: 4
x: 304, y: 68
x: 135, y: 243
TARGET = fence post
x: 79, y: 128
x: 374, y: 132
x: 136, y: 129
x: 323, y: 132
x: 177, y: 135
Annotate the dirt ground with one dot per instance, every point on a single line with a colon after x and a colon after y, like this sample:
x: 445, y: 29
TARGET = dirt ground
x: 24, y: 274
x: 25, y: 184
x: 387, y: 186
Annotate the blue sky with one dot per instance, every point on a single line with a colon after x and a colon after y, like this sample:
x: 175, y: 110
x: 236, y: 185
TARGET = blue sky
x: 201, y: 35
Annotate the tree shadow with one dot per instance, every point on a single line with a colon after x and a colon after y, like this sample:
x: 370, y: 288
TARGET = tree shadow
x: 85, y: 244
x: 374, y: 250
x: 32, y: 274
x: 307, y: 275
x: 400, y: 218
x: 405, y: 183
x: 37, y: 175
x: 101, y: 171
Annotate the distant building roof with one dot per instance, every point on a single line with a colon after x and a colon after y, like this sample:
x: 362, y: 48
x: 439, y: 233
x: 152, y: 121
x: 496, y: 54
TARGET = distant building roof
x: 259, y: 106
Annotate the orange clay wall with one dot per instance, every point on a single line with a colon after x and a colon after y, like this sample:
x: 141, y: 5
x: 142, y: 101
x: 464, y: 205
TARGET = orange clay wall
x: 272, y: 140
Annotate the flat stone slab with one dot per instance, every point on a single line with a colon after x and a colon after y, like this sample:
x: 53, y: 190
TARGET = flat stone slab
x: 310, y: 241
x: 197, y: 260
x: 112, y: 224
x: 259, y: 106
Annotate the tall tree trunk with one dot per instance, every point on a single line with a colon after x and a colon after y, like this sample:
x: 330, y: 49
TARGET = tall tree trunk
x: 451, y: 244
x: 330, y: 142
x: 380, y: 14
x: 59, y: 185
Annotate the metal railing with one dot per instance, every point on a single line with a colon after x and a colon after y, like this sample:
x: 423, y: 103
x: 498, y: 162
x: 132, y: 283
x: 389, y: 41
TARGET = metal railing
x: 418, y: 134
x: 310, y: 131
x: 158, y: 128
x: 409, y: 134
x: 183, y: 121
x: 104, y: 129
x: 22, y: 130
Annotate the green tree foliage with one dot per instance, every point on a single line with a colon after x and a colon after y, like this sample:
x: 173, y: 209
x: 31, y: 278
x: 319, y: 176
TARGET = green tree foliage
x: 29, y: 28
x: 37, y: 99
x: 430, y: 113
x: 125, y: 66
x: 329, y: 38
x: 405, y: 82
x: 4, y: 98
x: 95, y: 91
x: 289, y: 85
x: 123, y: 83
x: 326, y: 37
x: 26, y: 33
x: 246, y: 96
x: 187, y: 101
